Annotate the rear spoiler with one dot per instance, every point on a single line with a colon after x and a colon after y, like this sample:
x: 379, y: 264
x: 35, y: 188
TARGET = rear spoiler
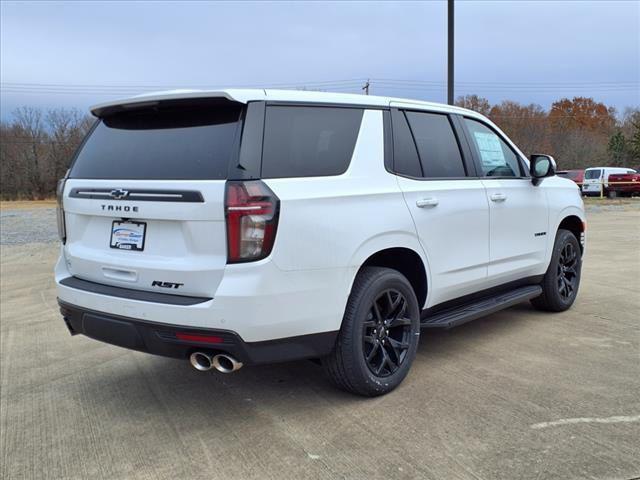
x: 152, y: 100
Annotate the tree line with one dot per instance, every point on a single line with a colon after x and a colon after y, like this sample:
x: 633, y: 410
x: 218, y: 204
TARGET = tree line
x: 36, y: 146
x: 579, y: 133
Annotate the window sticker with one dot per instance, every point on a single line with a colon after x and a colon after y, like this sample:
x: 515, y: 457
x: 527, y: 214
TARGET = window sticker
x: 491, y: 153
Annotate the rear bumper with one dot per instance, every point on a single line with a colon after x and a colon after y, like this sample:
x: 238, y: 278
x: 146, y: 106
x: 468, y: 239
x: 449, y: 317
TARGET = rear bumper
x: 257, y: 301
x: 162, y: 339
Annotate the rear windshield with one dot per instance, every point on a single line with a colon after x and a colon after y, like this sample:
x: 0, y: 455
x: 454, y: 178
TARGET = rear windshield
x: 591, y: 174
x: 170, y: 143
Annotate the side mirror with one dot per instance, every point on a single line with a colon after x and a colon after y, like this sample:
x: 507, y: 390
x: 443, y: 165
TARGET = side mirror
x: 541, y: 166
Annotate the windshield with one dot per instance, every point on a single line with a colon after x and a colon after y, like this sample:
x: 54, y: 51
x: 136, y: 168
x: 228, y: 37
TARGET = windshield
x: 170, y: 143
x: 591, y: 174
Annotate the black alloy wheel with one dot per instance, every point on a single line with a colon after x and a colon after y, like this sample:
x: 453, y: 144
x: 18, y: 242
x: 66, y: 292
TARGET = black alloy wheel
x: 567, y: 271
x: 561, y: 282
x: 386, y: 333
x: 379, y: 335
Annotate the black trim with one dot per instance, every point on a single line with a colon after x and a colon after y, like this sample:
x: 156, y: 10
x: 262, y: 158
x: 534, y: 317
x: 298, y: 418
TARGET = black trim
x: 160, y: 339
x: 130, y: 293
x: 388, y: 140
x: 465, y: 148
x: 480, y: 308
x: 362, y: 106
x: 249, y: 160
x: 138, y: 195
x: 482, y: 294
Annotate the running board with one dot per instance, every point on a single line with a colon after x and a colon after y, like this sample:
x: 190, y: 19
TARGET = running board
x: 465, y: 313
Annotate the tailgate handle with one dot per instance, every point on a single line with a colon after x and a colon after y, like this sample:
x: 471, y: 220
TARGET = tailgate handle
x: 120, y: 274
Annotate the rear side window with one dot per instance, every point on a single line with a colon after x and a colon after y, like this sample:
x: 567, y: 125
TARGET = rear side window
x: 309, y: 141
x: 405, y: 156
x: 170, y: 143
x: 437, y: 145
x: 592, y: 174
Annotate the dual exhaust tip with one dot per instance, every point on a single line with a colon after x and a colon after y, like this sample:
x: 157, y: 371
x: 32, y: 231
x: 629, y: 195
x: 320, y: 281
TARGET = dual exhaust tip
x: 222, y: 362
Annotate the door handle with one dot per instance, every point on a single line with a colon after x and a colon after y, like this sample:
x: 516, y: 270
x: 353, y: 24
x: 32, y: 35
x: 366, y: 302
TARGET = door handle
x: 427, y: 202
x: 498, y: 197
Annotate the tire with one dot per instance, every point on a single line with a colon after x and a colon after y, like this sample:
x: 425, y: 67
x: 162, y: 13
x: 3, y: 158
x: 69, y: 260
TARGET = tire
x: 562, y: 279
x: 612, y: 194
x: 367, y: 360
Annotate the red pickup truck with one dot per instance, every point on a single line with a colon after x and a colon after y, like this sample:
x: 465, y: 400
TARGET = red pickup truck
x: 629, y: 189
x: 575, y: 175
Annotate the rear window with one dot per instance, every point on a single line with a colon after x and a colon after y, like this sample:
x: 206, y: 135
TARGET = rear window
x: 309, y: 141
x: 437, y: 145
x: 591, y: 174
x: 170, y: 143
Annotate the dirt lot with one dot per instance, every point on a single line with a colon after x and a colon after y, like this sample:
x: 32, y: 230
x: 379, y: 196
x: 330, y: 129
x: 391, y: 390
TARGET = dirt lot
x: 517, y: 395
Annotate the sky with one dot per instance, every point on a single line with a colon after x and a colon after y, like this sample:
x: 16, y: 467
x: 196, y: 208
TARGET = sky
x: 75, y: 54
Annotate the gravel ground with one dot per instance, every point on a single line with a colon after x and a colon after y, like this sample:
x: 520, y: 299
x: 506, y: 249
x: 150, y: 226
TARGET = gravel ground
x: 38, y: 225
x: 519, y: 394
x: 33, y: 225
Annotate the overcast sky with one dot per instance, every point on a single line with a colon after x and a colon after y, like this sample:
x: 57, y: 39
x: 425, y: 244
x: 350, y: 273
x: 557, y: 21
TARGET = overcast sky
x: 75, y: 54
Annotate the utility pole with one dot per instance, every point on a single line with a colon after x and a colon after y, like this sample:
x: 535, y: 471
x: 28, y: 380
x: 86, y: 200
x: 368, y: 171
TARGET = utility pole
x: 366, y: 88
x: 450, y: 98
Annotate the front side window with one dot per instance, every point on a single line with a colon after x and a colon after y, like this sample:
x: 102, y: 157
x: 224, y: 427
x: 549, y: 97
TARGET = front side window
x: 437, y: 145
x: 309, y: 141
x: 497, y: 159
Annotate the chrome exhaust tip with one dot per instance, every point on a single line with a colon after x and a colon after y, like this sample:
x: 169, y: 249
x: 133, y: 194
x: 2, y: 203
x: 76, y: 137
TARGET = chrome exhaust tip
x: 225, y: 363
x: 201, y: 361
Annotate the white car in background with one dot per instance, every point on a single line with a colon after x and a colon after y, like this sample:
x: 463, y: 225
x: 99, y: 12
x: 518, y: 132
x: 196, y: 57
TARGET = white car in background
x: 596, y: 179
x: 252, y: 226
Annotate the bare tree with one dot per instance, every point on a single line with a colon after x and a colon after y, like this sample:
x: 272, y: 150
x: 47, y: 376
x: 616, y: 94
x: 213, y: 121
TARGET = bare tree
x: 36, y: 150
x: 475, y: 103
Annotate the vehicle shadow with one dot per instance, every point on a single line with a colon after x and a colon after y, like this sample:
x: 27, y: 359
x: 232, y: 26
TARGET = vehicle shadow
x: 154, y: 385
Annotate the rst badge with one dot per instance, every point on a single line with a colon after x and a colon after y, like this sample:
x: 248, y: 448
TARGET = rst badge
x: 158, y: 283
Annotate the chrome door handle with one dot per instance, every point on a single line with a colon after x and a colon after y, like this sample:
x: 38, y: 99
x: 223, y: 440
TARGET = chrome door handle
x: 427, y: 202
x: 498, y: 197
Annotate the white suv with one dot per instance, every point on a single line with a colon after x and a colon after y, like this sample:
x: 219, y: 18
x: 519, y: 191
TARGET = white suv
x: 249, y: 226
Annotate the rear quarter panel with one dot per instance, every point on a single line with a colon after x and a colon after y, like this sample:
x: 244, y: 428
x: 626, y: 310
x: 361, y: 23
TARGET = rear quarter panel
x: 336, y: 223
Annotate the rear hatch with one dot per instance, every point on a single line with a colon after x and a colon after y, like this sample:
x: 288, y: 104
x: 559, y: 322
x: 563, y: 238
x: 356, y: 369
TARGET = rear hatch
x: 592, y: 180
x: 144, y: 199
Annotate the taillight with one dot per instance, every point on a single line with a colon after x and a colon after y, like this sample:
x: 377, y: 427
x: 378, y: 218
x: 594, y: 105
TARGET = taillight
x: 62, y: 228
x: 251, y: 210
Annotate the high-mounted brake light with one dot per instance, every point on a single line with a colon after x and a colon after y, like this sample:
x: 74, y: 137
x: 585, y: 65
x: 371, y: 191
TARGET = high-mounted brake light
x: 251, y: 210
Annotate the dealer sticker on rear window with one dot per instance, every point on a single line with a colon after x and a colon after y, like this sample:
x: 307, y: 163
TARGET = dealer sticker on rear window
x: 128, y: 235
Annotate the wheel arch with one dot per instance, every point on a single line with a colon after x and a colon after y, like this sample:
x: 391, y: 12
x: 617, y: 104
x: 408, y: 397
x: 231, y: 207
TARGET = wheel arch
x: 406, y: 261
x: 575, y: 225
